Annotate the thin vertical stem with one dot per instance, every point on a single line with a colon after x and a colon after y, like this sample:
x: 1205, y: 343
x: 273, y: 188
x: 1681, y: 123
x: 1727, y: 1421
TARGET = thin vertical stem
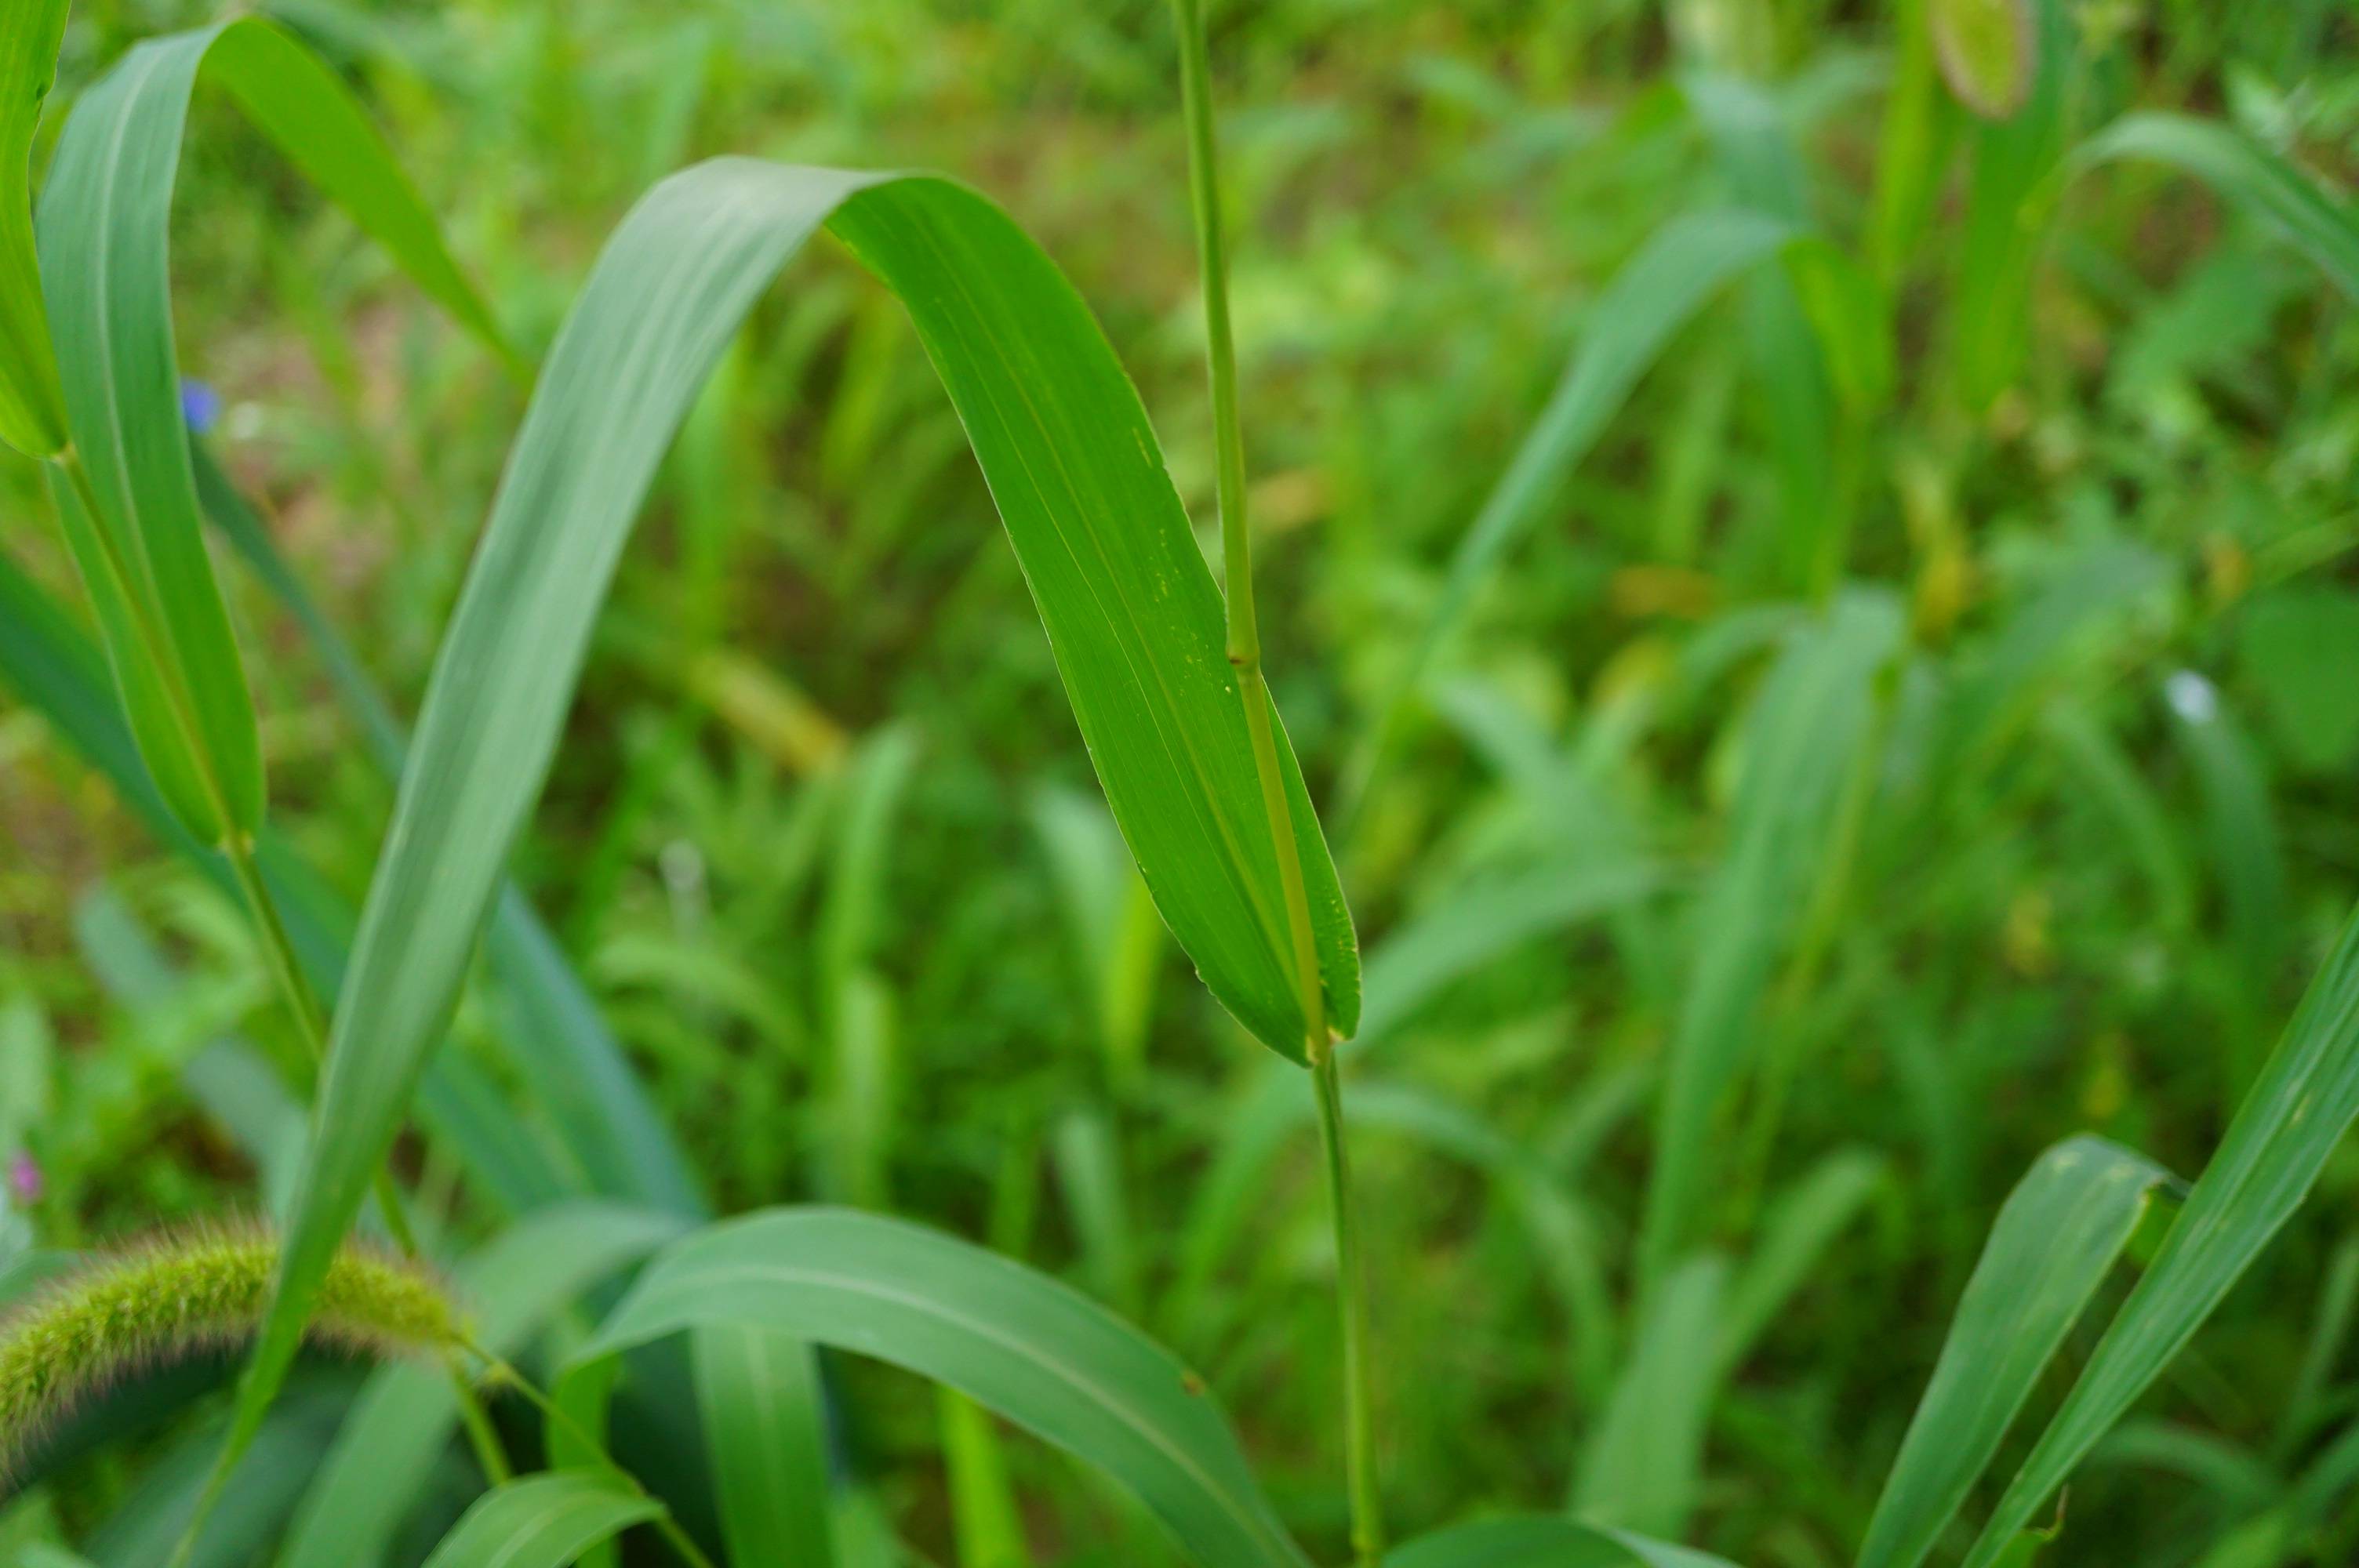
x: 1352, y: 1297
x: 1236, y: 540
x: 1245, y: 654
x: 556, y: 1414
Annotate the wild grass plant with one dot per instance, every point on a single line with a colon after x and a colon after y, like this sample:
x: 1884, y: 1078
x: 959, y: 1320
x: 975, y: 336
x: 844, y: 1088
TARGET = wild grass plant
x: 630, y: 1372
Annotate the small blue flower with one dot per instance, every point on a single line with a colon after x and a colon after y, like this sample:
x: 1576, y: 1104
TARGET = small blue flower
x: 200, y: 405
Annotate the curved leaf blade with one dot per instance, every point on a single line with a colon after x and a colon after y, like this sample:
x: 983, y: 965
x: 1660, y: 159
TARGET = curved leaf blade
x: 1012, y: 1340
x: 2241, y: 171
x: 1129, y: 602
x: 543, y: 1521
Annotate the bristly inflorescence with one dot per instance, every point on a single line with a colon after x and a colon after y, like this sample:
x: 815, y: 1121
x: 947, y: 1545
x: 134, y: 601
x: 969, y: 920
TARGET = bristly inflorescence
x: 179, y: 1293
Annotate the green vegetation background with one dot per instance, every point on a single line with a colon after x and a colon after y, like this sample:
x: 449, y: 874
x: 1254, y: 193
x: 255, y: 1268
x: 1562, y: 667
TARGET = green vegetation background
x: 824, y: 841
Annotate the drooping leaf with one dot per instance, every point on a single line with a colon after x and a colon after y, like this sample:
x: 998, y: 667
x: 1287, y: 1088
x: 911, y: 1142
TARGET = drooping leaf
x: 2059, y: 1231
x: 1013, y: 1341
x: 757, y: 1392
x: 1130, y: 607
x: 543, y: 1521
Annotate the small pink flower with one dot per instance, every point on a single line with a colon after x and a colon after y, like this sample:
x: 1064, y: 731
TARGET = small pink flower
x: 23, y: 1178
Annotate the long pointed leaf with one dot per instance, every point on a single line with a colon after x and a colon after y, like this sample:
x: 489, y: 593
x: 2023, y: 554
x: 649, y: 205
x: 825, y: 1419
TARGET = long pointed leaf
x: 1130, y: 608
x: 2059, y: 1231
x: 2299, y: 1110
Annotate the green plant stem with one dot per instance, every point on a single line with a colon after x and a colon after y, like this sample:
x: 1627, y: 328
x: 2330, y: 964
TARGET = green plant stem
x: 666, y: 1526
x: 1352, y: 1299
x: 1236, y: 539
x: 1244, y: 655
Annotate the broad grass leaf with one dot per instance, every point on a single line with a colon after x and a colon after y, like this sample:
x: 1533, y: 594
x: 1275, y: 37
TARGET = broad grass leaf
x: 1130, y: 608
x: 546, y: 1520
x: 2290, y: 1121
x: 1013, y: 1341
x: 764, y: 1417
x: 1542, y: 1540
x: 32, y: 405
x: 552, y: 1029
x: 2058, y: 1234
x: 103, y: 240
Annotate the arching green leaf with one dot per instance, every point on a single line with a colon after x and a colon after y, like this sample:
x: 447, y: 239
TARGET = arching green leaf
x: 1013, y: 1341
x: 542, y: 1522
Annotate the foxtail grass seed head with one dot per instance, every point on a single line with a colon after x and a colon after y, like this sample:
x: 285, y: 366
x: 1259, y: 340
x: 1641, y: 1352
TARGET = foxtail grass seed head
x: 178, y: 1293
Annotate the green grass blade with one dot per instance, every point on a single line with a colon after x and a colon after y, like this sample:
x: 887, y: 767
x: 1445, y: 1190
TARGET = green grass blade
x: 1794, y: 1236
x: 1542, y: 1540
x: 1013, y: 1341
x: 554, y: 1033
x: 514, y: 1286
x: 1130, y: 608
x: 757, y: 1392
x: 1486, y: 922
x: 2006, y: 200
x: 32, y: 405
x: 2291, y: 1120
x: 2241, y: 171
x: 103, y: 238
x: 984, y: 1517
x: 1643, y: 1466
x: 1801, y: 739
x: 543, y: 1521
x: 1763, y: 167
x: 1657, y: 292
x: 2058, y: 1234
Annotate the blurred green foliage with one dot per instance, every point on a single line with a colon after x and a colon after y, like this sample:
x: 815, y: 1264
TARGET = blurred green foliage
x: 2051, y: 616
